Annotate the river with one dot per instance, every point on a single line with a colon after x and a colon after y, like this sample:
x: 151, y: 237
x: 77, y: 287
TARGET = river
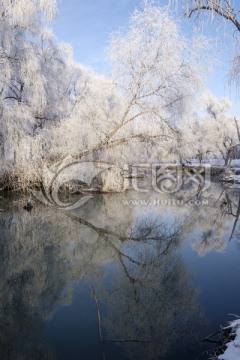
x: 124, y: 276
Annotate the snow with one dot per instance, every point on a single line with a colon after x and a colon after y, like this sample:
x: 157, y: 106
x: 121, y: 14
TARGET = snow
x: 233, y: 347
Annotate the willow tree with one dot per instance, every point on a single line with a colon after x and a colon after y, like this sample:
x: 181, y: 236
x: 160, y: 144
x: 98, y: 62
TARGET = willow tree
x: 52, y: 108
x: 21, y: 81
x: 153, y: 86
x: 211, y: 134
x: 225, y: 12
x: 227, y: 9
x: 38, y: 84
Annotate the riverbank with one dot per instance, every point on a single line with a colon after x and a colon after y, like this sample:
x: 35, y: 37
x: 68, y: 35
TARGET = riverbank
x: 110, y: 178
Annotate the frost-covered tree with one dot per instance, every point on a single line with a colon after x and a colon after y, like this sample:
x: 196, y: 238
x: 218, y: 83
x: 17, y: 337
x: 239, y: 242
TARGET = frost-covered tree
x: 194, y: 142
x: 212, y: 134
x: 227, y: 9
x: 39, y: 83
x: 225, y: 12
x: 153, y: 87
x: 222, y: 129
x: 22, y: 83
x: 156, y: 70
x: 52, y: 108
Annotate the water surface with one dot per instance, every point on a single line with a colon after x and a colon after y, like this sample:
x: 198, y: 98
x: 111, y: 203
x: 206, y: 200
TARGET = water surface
x: 126, y: 276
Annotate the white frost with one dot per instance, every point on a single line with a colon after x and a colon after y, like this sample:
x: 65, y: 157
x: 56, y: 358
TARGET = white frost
x: 233, y: 347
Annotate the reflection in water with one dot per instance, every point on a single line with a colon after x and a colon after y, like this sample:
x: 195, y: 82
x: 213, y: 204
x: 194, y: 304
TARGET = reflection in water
x: 149, y: 301
x: 211, y: 223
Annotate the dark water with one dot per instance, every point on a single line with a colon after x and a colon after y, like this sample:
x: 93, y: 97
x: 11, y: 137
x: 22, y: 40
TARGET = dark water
x: 161, y: 276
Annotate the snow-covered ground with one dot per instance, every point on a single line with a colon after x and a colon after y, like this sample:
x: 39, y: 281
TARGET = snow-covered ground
x: 233, y: 347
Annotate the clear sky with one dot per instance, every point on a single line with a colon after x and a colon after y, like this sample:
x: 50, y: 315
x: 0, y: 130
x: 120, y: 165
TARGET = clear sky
x: 87, y: 24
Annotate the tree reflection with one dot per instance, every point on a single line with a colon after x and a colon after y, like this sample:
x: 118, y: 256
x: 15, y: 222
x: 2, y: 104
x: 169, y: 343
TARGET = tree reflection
x: 150, y: 301
x: 212, y: 226
x: 231, y: 206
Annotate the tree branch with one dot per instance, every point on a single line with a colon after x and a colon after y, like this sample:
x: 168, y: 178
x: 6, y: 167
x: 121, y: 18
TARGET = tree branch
x: 215, y: 8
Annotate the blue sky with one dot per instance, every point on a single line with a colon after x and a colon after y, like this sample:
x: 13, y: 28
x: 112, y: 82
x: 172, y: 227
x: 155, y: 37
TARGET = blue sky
x: 87, y: 24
